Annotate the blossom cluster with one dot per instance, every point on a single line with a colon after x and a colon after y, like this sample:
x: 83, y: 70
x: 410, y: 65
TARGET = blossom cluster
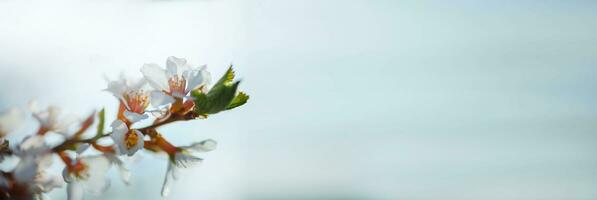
x: 178, y: 92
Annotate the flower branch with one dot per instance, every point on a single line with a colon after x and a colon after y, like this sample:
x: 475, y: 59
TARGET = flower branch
x: 180, y: 92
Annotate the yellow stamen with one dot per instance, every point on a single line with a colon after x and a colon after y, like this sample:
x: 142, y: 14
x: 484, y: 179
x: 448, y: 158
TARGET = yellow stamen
x: 131, y: 139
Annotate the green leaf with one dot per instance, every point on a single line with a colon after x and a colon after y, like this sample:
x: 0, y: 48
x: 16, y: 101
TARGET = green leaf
x: 216, y: 100
x: 227, y: 78
x: 201, y: 102
x: 219, y: 97
x: 100, y: 124
x: 239, y: 100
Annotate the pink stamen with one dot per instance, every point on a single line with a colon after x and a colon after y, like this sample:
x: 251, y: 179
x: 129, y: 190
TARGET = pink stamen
x: 177, y: 85
x: 137, y: 101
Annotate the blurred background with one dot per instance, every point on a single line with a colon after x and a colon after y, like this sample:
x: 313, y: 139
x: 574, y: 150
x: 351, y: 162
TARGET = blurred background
x: 350, y: 100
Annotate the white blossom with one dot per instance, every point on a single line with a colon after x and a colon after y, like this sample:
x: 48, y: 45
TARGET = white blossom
x: 34, y: 157
x: 203, y: 146
x: 181, y: 160
x: 50, y: 119
x: 10, y: 120
x: 132, y: 96
x: 125, y: 174
x: 89, y: 176
x: 44, y: 183
x: 176, y: 81
x: 128, y: 141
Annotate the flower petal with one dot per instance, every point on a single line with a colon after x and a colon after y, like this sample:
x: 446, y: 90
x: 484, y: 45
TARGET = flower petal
x: 159, y: 99
x: 134, y: 117
x: 156, y: 76
x: 42, y: 196
x: 119, y: 129
x: 66, y: 175
x: 204, y: 146
x: 169, y: 179
x: 125, y: 174
x: 61, y: 125
x: 10, y: 120
x: 185, y: 160
x: 45, y: 183
x: 175, y: 66
x: 34, y: 144
x: 75, y: 191
x: 117, y: 88
x: 97, y: 182
x: 26, y: 170
x: 196, y: 77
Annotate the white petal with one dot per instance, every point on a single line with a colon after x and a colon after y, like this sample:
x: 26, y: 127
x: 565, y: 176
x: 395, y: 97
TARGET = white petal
x: 168, y: 180
x: 47, y: 183
x: 117, y: 88
x: 175, y: 66
x: 185, y: 160
x: 26, y: 170
x: 38, y: 114
x: 119, y: 129
x: 42, y: 196
x: 66, y: 175
x: 196, y: 78
x: 33, y: 144
x: 44, y: 160
x: 97, y: 182
x: 159, y: 99
x: 117, y: 150
x: 61, y: 125
x: 134, y: 117
x: 156, y: 76
x: 204, y: 146
x: 33, y: 106
x: 118, y: 124
x: 75, y: 191
x: 125, y: 174
x: 10, y: 120
x: 136, y: 85
x: 53, y: 114
x: 206, y: 80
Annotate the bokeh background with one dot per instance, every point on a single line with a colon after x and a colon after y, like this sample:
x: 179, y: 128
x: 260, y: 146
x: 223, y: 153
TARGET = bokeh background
x: 350, y: 100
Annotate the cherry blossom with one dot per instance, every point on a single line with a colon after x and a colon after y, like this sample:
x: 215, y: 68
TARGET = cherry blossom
x: 176, y: 81
x: 128, y: 141
x: 10, y: 120
x: 30, y: 175
x: 50, y: 119
x: 183, y: 159
x: 86, y: 175
x: 132, y: 97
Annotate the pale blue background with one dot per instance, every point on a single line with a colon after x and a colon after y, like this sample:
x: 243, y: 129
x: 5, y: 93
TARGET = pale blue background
x: 349, y: 99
